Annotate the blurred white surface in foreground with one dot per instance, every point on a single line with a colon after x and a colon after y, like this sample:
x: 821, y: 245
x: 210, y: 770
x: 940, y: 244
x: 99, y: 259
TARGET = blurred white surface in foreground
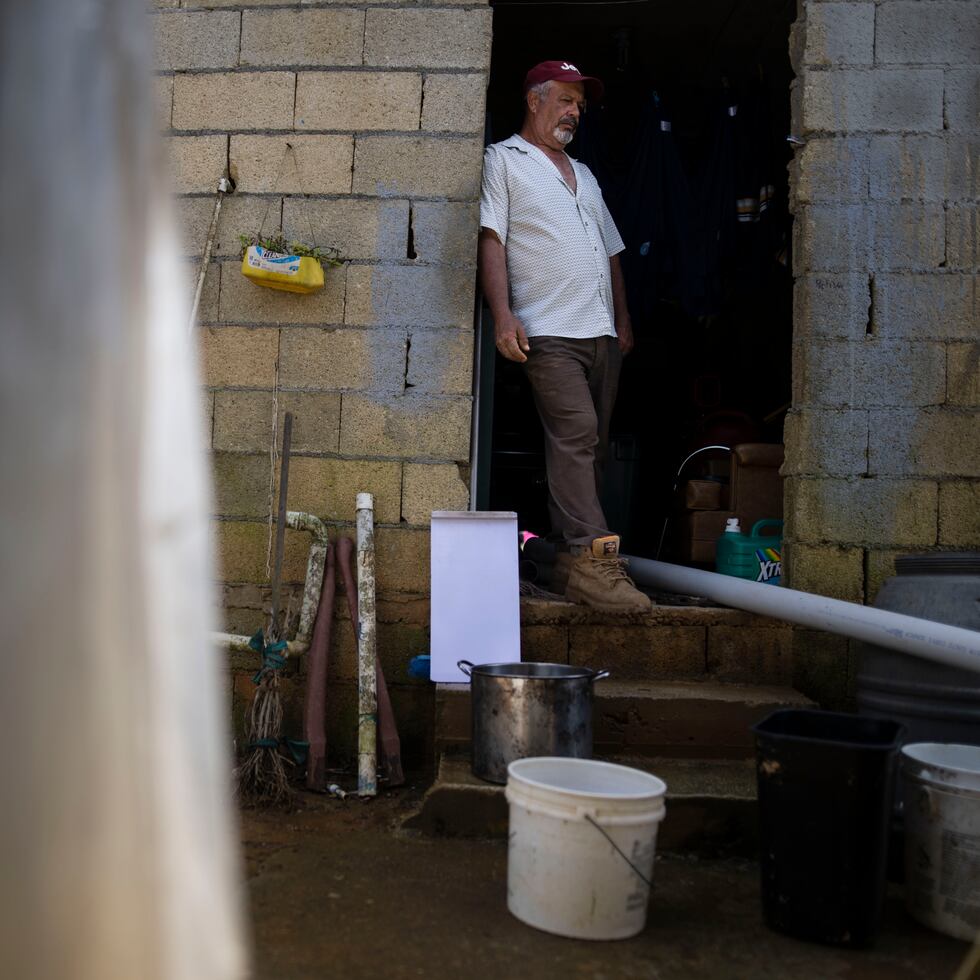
x: 118, y: 850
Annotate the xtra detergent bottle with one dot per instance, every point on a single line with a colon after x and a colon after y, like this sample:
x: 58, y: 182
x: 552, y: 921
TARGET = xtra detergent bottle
x: 752, y: 556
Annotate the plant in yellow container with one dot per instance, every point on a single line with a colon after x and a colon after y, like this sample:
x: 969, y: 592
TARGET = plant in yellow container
x: 281, y: 264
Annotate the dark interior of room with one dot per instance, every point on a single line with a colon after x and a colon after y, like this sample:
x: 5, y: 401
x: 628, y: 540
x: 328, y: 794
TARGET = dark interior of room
x: 710, y: 293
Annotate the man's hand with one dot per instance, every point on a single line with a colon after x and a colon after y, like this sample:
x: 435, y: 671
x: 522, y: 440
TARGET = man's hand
x: 624, y: 332
x: 511, y: 339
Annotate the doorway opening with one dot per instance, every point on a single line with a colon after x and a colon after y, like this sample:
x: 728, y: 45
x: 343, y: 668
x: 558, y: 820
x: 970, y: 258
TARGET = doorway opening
x: 689, y: 146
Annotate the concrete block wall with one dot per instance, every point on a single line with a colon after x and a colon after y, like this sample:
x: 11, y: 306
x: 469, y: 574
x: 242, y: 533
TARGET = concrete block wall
x: 883, y: 439
x: 383, y: 106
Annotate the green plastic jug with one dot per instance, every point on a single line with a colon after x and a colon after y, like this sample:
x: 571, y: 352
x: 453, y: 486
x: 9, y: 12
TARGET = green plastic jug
x: 754, y: 556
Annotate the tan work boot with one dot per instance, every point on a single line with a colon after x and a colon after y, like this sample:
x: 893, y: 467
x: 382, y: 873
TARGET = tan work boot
x: 598, y: 578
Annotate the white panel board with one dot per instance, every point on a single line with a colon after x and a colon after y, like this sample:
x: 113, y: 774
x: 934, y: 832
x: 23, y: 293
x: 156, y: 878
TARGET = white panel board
x: 476, y: 613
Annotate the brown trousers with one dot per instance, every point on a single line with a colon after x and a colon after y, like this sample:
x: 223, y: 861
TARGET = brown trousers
x: 574, y: 384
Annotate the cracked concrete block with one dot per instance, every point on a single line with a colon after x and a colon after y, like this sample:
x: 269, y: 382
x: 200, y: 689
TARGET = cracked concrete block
x: 908, y: 167
x: 303, y: 37
x: 454, y: 103
x: 239, y: 356
x: 428, y: 38
x: 963, y: 100
x: 445, y: 232
x: 241, y: 548
x: 342, y: 360
x: 440, y: 362
x: 962, y: 180
x: 825, y: 570
x: 895, y: 513
x: 927, y: 33
x: 402, y: 559
x: 196, y: 163
x: 743, y: 655
x: 832, y: 305
x: 236, y: 100
x: 959, y: 514
x: 418, y: 166
x: 358, y: 229
x: 329, y: 487
x: 939, y: 442
x: 242, y: 301
x: 875, y: 100
x: 963, y: 237
x: 437, y: 296
x: 840, y: 34
x: 317, y: 165
x: 832, y: 170
x: 941, y: 306
x: 432, y: 486
x: 188, y: 39
x: 963, y: 374
x: 241, y: 485
x: 358, y: 100
x: 409, y: 426
x: 826, y: 443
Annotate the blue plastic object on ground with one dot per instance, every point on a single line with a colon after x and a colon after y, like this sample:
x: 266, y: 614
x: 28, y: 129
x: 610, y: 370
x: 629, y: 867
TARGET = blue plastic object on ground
x: 419, y: 666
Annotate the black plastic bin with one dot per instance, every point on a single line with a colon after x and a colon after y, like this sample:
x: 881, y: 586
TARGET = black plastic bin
x: 825, y: 790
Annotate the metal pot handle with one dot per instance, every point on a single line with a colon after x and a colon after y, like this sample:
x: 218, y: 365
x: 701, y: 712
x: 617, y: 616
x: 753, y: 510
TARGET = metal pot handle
x: 463, y: 664
x: 599, y: 674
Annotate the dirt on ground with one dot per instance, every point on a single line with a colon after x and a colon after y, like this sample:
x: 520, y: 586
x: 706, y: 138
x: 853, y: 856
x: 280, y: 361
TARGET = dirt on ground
x: 337, y: 889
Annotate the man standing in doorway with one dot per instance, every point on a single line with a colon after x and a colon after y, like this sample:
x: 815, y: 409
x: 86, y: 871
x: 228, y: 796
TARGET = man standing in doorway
x: 550, y: 272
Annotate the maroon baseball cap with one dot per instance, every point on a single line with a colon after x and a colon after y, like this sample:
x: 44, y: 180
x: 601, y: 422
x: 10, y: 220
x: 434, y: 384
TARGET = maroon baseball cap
x: 563, y: 71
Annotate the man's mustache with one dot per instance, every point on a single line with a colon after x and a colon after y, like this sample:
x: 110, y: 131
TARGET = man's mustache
x: 568, y: 120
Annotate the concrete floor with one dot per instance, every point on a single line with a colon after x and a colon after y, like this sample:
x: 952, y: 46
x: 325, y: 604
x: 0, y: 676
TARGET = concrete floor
x: 337, y: 889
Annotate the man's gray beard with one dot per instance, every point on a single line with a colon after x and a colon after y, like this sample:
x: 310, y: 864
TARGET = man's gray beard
x: 563, y: 135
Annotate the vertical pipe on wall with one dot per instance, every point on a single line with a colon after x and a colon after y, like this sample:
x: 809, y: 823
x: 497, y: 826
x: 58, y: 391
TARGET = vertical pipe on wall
x: 367, y: 691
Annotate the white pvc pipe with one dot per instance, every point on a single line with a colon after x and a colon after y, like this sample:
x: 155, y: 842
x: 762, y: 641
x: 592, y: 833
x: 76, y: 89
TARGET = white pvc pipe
x: 945, y: 644
x: 367, y: 685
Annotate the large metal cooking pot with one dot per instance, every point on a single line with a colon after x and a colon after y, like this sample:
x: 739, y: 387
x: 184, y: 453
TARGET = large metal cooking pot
x: 523, y: 710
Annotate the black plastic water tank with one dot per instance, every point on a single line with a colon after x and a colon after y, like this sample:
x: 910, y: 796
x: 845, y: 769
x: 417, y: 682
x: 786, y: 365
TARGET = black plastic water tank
x: 935, y: 702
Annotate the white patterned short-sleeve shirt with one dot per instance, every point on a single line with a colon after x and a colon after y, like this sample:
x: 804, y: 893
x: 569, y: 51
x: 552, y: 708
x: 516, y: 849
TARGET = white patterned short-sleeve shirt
x: 557, y: 241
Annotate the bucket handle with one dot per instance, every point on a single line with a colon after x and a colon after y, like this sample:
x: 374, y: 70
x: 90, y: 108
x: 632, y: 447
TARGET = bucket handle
x: 765, y: 522
x: 639, y: 874
x: 463, y: 664
x: 599, y: 674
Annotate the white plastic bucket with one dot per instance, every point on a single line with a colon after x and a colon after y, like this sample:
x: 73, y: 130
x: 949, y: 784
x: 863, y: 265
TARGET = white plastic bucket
x: 563, y: 873
x: 942, y: 836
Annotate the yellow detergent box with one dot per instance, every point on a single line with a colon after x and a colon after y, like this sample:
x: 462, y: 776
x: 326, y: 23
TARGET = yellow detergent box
x: 293, y: 273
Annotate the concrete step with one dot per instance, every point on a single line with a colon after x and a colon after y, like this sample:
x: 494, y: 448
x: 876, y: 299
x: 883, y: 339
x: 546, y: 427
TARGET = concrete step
x: 711, y: 804
x: 669, y: 719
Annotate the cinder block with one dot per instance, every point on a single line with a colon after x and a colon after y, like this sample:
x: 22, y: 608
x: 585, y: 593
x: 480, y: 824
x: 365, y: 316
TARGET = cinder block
x: 826, y: 443
x: 963, y: 237
x: 880, y: 100
x: 963, y: 100
x: 445, y: 232
x: 822, y: 668
x: 343, y: 360
x: 910, y: 167
x: 916, y: 33
x: 207, y: 416
x: 879, y: 566
x: 329, y: 487
x: 832, y: 170
x: 899, y: 513
x: 196, y: 163
x: 317, y: 165
x: 359, y: 229
x: 243, y: 420
x: 750, y: 655
x: 962, y: 168
x: 238, y: 216
x: 432, y: 486
x: 241, y: 485
x: 832, y: 238
x: 409, y: 426
x: 207, y: 310
x: 873, y: 373
x: 544, y: 644
x: 163, y: 100
x: 941, y: 441
x: 908, y: 236
x: 402, y: 559
x: 424, y: 296
x: 825, y: 570
x: 931, y: 306
x: 196, y: 39
x: 963, y: 374
x: 639, y: 653
x: 241, y: 548
x: 398, y: 166
x: 959, y: 514
x: 440, y: 362
x: 239, y: 100
x: 302, y: 37
x: 840, y: 34
x: 241, y: 301
x: 235, y: 356
x: 427, y: 38
x: 358, y: 101
x: 831, y: 305
x: 454, y: 103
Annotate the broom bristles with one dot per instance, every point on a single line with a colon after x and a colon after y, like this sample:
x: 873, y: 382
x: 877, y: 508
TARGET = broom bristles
x: 262, y: 775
